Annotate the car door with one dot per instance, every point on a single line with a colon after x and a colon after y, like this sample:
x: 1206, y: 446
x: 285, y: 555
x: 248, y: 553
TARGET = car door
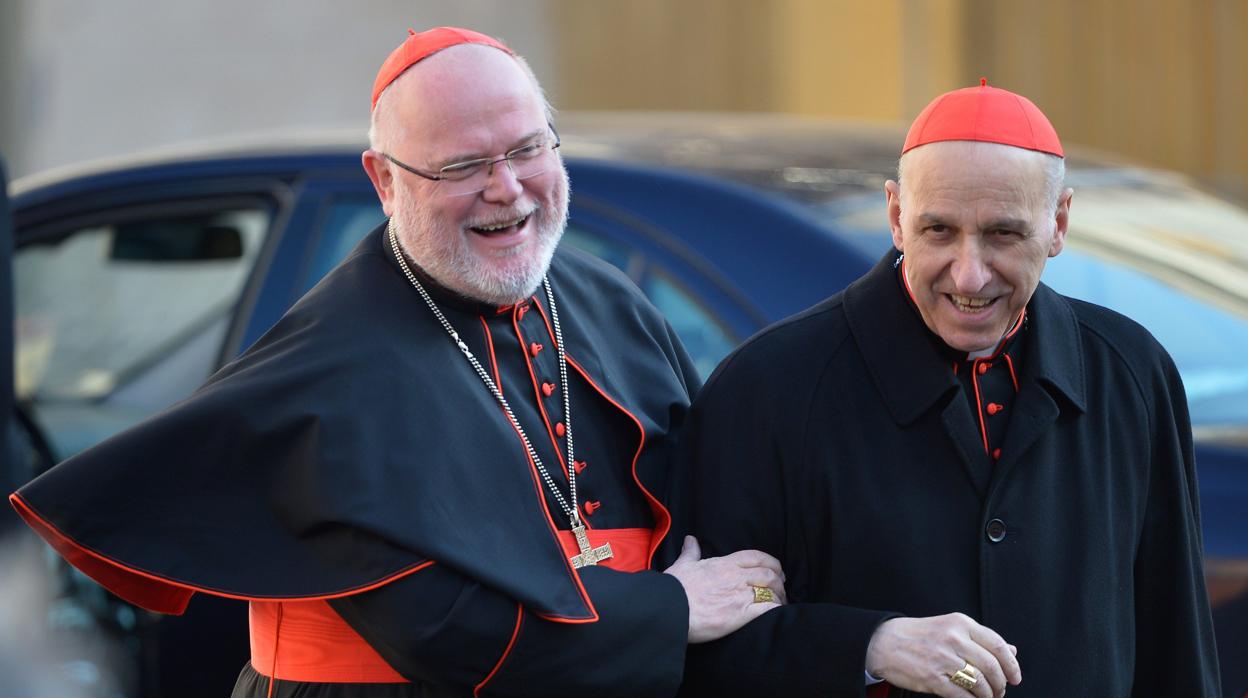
x: 10, y: 477
x: 125, y: 297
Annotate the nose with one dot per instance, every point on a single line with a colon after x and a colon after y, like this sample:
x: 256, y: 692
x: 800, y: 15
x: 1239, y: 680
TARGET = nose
x: 970, y: 270
x: 503, y: 186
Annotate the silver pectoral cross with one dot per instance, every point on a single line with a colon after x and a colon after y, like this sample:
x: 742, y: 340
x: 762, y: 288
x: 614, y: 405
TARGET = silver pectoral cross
x: 588, y: 556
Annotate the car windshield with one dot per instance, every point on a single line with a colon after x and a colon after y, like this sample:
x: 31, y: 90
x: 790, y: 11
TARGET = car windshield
x: 1170, y: 257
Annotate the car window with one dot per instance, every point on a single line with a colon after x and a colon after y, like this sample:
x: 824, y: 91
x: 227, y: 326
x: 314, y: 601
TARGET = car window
x: 347, y: 221
x: 705, y: 338
x: 1207, y: 342
x: 118, y: 319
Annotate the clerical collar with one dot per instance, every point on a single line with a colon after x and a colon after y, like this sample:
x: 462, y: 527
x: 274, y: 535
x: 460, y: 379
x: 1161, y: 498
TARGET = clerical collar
x: 956, y: 355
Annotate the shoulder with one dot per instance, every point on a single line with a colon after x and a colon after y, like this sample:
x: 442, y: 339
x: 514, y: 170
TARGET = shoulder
x: 584, y: 271
x: 794, y: 351
x: 1115, y: 345
x: 1116, y: 334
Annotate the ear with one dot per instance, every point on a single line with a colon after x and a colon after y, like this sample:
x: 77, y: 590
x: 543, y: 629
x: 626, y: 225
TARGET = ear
x: 1061, y: 222
x: 892, y: 195
x: 382, y: 178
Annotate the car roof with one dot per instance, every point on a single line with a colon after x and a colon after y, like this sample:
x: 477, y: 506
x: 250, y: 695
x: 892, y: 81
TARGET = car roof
x: 809, y: 160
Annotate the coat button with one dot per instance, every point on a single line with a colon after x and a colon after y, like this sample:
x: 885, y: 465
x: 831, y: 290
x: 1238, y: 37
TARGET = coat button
x: 995, y: 530
x: 535, y: 349
x: 983, y: 367
x: 548, y: 389
x: 560, y: 430
x: 994, y: 408
x: 579, y: 465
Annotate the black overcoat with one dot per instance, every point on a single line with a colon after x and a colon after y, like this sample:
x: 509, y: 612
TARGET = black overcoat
x: 840, y: 441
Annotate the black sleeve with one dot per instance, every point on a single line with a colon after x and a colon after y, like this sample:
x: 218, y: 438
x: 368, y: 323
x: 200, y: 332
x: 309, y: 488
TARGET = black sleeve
x: 441, y: 628
x: 743, y: 468
x: 1168, y: 568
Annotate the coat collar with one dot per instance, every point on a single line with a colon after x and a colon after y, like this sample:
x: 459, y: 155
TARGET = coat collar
x: 909, y: 365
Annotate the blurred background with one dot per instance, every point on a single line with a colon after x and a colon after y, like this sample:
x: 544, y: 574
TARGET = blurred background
x: 1161, y: 82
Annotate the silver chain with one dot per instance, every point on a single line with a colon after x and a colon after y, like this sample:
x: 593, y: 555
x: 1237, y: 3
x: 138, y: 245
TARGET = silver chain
x: 572, y: 512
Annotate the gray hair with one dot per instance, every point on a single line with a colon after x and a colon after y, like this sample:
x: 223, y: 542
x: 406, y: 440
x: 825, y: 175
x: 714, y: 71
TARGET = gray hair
x: 1054, y: 179
x: 377, y: 132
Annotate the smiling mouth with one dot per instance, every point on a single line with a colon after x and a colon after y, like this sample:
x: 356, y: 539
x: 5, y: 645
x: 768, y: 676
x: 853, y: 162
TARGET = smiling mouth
x: 501, y: 228
x: 967, y: 304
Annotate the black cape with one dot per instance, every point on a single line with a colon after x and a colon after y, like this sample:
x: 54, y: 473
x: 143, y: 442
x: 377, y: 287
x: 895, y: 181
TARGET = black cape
x: 323, y: 462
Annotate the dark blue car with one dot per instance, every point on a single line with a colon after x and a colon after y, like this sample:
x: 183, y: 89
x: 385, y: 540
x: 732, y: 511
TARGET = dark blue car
x: 134, y: 281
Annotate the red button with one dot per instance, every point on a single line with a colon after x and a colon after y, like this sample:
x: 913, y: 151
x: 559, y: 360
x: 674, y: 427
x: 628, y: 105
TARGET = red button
x: 994, y: 408
x: 591, y: 507
x: 548, y: 389
x: 983, y: 368
x: 560, y: 429
x: 535, y: 349
x: 996, y: 454
x: 521, y: 310
x: 579, y: 465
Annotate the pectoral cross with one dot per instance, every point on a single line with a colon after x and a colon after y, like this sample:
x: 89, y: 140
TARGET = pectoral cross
x: 588, y: 556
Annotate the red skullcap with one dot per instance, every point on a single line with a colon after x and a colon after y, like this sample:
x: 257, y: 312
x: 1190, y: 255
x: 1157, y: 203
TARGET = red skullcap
x: 986, y: 114
x: 418, y: 47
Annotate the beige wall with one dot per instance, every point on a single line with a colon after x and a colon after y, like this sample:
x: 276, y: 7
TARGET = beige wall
x: 1163, y: 82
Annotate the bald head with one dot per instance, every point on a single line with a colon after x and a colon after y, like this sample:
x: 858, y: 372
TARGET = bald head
x: 461, y: 67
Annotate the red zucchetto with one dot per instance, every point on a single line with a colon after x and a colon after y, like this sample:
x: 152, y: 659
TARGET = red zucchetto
x: 986, y: 114
x: 418, y: 47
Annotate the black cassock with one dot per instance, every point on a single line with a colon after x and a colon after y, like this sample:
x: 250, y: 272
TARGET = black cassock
x: 353, y: 457
x: 857, y: 460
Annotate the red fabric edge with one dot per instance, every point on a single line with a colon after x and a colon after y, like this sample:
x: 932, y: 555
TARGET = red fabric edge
x: 515, y: 635
x: 662, y: 515
x: 151, y: 591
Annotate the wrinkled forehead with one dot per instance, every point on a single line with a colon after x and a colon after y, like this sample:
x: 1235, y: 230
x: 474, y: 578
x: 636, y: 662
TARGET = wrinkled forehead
x: 976, y: 168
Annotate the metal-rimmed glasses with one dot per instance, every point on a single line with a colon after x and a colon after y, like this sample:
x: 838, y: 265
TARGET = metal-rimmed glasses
x: 472, y: 176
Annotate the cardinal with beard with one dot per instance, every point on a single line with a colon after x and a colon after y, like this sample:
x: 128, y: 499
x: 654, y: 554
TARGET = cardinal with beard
x: 444, y: 470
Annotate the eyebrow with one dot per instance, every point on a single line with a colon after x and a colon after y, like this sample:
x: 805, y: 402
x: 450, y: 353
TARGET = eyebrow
x: 995, y: 224
x: 1008, y: 224
x: 468, y: 157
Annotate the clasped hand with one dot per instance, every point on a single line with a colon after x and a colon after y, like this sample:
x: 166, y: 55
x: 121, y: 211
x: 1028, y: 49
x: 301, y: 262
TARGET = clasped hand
x: 920, y: 654
x: 721, y: 589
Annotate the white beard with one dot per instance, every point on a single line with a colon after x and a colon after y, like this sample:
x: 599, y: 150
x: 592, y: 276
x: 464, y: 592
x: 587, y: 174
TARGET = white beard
x: 502, y: 278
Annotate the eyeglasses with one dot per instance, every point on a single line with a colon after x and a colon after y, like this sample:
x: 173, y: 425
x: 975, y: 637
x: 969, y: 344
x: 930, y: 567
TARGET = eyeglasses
x: 472, y: 176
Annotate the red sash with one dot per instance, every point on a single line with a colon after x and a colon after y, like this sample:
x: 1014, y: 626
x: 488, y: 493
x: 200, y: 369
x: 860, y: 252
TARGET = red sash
x: 307, y: 641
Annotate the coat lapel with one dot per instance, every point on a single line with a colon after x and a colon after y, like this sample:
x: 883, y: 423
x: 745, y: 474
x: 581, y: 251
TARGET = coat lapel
x: 1053, y: 375
x: 908, y: 366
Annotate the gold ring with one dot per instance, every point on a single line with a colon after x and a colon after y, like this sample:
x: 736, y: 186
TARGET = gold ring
x: 764, y: 595
x: 965, y: 677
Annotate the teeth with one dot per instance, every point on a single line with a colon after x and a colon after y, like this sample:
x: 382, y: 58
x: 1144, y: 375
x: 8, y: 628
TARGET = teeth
x: 500, y: 226
x: 968, y: 303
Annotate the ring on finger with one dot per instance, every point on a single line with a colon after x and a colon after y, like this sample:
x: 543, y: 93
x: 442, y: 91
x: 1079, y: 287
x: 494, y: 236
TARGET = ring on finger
x: 763, y: 595
x: 966, y: 677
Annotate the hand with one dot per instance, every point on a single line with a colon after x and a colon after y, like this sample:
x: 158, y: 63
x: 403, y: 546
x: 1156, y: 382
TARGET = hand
x: 720, y: 589
x: 920, y: 654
